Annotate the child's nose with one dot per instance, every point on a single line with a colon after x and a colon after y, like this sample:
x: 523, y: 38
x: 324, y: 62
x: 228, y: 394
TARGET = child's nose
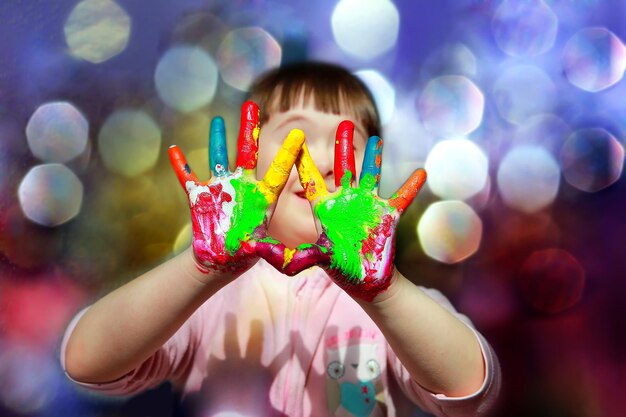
x: 323, y: 155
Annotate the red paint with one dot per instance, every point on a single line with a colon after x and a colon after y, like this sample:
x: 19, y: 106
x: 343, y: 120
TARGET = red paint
x: 309, y: 188
x: 344, y: 152
x: 247, y: 144
x: 374, y: 245
x: 205, y: 215
x: 375, y: 242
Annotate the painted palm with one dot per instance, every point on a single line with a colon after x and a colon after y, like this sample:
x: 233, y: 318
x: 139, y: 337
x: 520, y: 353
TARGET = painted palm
x: 230, y: 211
x: 357, y: 228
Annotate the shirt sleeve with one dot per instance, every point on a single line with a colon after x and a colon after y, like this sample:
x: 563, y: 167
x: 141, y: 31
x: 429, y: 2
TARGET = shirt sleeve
x: 172, y: 361
x: 475, y: 404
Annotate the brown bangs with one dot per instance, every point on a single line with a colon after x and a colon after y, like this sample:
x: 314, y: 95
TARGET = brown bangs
x: 331, y: 88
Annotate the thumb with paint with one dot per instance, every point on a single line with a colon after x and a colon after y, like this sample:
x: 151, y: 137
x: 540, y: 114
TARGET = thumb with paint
x: 231, y: 210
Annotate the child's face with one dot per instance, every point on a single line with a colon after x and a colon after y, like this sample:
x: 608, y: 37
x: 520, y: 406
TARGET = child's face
x: 292, y: 222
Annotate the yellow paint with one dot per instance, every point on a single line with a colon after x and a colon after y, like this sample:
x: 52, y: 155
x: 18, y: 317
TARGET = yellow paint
x: 255, y: 133
x: 278, y: 172
x: 310, y: 177
x: 288, y: 256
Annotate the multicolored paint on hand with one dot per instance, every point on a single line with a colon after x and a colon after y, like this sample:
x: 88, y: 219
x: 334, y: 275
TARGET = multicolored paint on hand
x: 357, y: 241
x: 231, y: 210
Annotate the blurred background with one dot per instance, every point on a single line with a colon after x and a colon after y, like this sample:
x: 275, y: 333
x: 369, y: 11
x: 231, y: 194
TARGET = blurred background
x: 516, y: 108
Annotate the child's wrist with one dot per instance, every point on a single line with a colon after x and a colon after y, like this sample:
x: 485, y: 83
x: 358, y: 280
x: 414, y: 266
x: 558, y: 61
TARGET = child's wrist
x: 196, y: 271
x: 388, y: 294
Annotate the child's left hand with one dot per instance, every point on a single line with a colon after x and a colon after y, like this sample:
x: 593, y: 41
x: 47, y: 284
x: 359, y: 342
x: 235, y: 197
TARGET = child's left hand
x: 357, y: 241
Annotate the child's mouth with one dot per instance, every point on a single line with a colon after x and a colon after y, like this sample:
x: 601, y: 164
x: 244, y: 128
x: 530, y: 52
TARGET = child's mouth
x: 301, y: 194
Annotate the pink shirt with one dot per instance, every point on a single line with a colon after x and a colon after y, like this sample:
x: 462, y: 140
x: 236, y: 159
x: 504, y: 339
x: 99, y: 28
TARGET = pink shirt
x: 269, y: 345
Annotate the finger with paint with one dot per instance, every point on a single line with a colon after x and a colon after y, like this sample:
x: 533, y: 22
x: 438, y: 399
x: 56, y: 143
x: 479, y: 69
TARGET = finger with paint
x: 310, y: 178
x: 344, y: 154
x: 405, y: 195
x: 370, y: 172
x: 218, y: 153
x: 247, y: 143
x: 278, y: 173
x: 181, y: 167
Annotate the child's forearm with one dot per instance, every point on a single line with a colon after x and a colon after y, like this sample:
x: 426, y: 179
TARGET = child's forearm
x: 440, y: 352
x: 121, y: 330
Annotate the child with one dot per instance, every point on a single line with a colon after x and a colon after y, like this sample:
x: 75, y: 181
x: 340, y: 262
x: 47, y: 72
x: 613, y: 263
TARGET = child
x: 238, y: 337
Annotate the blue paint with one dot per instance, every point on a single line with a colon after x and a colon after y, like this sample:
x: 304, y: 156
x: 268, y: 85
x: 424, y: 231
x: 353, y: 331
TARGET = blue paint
x: 373, y: 152
x: 218, y: 155
x: 187, y: 169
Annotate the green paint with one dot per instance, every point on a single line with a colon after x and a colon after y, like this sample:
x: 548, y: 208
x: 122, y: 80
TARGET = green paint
x: 269, y: 239
x: 347, y: 218
x: 310, y: 245
x: 367, y: 183
x: 248, y: 213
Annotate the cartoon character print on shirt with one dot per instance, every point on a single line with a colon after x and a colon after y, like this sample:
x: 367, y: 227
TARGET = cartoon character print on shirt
x: 354, y: 384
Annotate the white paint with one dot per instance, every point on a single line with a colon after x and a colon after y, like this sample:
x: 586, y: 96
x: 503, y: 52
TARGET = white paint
x: 194, y: 190
x: 227, y: 207
x: 219, y: 169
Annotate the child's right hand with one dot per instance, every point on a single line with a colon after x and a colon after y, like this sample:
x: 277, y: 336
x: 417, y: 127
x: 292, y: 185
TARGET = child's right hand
x: 230, y: 212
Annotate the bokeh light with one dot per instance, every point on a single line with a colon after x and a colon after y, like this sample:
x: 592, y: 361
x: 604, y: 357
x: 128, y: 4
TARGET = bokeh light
x: 457, y: 169
x: 452, y: 59
x: 449, y: 231
x: 365, y: 29
x: 21, y: 301
x: 129, y: 142
x: 246, y: 53
x: 524, y: 28
x: 523, y: 91
x: 406, y: 146
x: 552, y: 280
x: 528, y: 178
x: 50, y: 194
x: 97, y: 30
x: 57, y: 132
x: 594, y: 59
x: 383, y: 92
x: 201, y: 28
x: 592, y: 159
x: 546, y: 130
x: 186, y: 78
x: 28, y: 378
x: 451, y: 105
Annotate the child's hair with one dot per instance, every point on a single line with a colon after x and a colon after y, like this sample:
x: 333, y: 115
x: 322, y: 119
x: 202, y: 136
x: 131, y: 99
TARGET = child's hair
x: 329, y: 86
